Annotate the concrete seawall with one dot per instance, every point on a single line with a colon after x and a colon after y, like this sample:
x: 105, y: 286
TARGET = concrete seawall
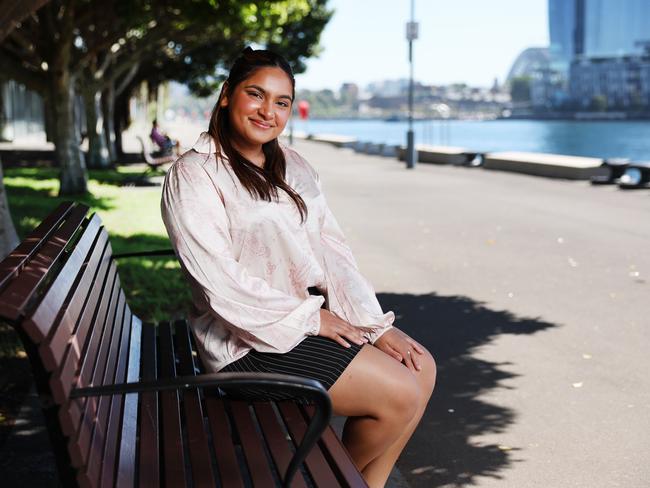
x: 549, y: 165
x: 537, y: 164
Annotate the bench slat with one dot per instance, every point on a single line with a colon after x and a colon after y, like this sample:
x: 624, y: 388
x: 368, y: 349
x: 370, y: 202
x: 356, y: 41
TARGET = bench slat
x: 86, y: 293
x: 20, y: 291
x: 79, y: 359
x: 277, y: 441
x: 43, y: 321
x: 110, y: 456
x: 149, y: 445
x: 317, y: 466
x: 70, y: 372
x: 344, y: 468
x: 251, y: 444
x: 95, y: 365
x: 338, y: 457
x: 104, y: 433
x: 222, y: 443
x: 172, y: 440
x: 13, y: 264
x: 128, y: 437
x: 81, y: 347
x: 197, y: 439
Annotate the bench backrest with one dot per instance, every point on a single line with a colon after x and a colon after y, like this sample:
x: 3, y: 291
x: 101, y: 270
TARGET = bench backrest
x: 60, y: 290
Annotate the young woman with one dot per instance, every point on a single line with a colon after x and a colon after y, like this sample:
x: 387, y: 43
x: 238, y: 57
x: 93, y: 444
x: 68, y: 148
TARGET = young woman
x: 263, y: 254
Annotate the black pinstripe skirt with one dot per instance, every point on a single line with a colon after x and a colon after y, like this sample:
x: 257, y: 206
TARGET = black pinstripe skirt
x: 316, y: 357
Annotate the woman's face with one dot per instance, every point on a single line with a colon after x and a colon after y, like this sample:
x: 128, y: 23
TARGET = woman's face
x: 259, y: 107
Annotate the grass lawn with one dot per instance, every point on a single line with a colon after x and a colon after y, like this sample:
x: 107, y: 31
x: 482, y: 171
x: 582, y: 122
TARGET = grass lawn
x: 155, y: 288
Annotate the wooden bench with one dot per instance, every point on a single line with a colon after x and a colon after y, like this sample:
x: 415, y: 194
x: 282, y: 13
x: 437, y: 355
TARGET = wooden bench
x: 127, y: 403
x: 154, y: 163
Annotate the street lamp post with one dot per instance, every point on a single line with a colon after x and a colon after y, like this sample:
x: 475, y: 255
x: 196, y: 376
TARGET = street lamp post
x: 411, y: 35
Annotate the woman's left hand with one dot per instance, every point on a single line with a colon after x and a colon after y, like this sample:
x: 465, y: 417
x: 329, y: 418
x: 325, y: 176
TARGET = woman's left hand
x: 399, y: 345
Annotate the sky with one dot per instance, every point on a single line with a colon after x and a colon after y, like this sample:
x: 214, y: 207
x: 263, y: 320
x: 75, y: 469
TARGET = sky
x: 470, y: 41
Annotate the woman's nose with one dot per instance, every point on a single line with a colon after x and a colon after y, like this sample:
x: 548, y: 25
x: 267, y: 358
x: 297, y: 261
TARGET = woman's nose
x: 266, y: 110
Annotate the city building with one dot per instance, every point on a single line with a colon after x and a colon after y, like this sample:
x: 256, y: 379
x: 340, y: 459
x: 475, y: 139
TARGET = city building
x: 597, y: 56
x: 609, y: 70
x: 614, y: 28
x: 611, y: 83
x: 561, y: 27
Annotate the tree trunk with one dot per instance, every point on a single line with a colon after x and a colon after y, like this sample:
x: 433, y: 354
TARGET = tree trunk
x: 8, y: 236
x: 50, y: 122
x: 3, y: 118
x: 120, y: 107
x: 108, y: 106
x: 98, y: 155
x: 73, y: 175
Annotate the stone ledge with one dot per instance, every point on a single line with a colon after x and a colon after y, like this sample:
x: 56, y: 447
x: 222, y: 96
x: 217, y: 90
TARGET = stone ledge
x: 540, y: 164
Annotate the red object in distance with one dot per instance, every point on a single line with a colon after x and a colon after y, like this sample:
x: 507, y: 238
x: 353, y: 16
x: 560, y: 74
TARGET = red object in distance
x: 303, y: 109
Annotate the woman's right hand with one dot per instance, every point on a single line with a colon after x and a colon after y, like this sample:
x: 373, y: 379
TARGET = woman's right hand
x: 341, y: 331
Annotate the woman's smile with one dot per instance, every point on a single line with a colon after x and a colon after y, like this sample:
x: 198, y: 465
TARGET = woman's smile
x: 261, y: 124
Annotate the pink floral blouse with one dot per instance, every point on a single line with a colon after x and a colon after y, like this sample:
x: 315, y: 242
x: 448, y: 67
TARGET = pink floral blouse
x: 250, y: 262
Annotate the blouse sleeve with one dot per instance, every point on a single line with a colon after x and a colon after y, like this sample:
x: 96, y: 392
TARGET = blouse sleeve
x: 348, y: 291
x: 266, y: 319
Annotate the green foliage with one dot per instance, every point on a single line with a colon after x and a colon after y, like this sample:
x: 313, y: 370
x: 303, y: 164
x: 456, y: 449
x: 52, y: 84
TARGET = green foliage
x: 520, y: 89
x: 326, y: 103
x: 205, y: 38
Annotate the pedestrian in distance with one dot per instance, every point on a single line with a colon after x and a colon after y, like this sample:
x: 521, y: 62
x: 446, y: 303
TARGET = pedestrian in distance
x: 165, y: 143
x: 275, y: 286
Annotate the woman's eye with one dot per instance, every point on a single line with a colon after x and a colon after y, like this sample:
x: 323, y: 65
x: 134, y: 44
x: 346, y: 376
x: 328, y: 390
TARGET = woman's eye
x: 255, y: 94
x: 283, y: 104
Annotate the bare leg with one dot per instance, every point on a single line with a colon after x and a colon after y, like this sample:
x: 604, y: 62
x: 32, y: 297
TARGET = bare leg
x: 377, y: 471
x: 385, y: 401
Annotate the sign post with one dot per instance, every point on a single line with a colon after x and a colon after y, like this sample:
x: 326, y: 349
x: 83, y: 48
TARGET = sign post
x: 412, y: 31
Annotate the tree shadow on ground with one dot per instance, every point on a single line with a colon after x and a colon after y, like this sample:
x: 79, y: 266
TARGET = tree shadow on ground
x: 441, y: 452
x: 15, y: 378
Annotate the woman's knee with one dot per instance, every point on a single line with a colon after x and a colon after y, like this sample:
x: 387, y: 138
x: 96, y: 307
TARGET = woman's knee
x: 403, y: 397
x: 374, y: 384
x: 408, y: 398
x: 428, y: 374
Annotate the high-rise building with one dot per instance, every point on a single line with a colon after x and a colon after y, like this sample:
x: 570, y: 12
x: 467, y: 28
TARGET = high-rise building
x: 615, y: 27
x: 561, y: 26
x: 598, y: 50
x: 597, y: 28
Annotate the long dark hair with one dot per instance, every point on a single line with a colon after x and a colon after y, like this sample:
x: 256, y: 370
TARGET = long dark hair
x: 261, y: 183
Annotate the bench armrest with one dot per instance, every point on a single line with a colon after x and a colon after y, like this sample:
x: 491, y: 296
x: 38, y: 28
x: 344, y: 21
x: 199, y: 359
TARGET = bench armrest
x: 266, y: 382
x: 158, y: 252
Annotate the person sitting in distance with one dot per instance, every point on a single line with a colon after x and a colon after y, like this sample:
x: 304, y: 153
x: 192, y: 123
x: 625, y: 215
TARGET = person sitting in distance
x: 163, y: 141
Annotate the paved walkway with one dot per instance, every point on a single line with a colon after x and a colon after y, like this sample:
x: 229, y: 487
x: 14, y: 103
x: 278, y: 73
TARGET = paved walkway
x: 533, y: 295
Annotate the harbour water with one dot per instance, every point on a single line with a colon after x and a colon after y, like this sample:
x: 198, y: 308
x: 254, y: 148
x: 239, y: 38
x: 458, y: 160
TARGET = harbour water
x: 629, y: 139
